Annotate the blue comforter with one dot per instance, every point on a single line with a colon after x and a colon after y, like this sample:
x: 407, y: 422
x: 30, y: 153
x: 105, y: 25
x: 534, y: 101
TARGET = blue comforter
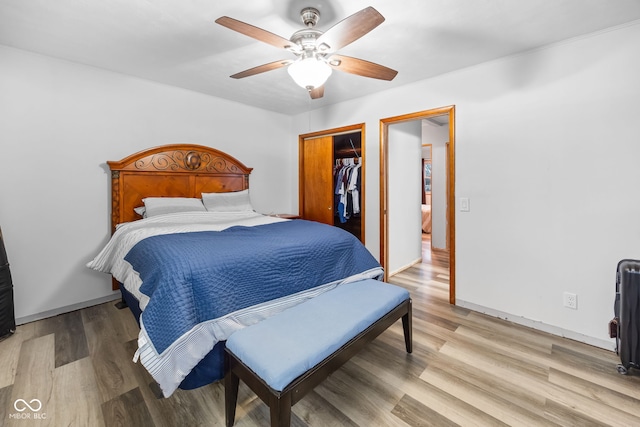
x: 191, y: 278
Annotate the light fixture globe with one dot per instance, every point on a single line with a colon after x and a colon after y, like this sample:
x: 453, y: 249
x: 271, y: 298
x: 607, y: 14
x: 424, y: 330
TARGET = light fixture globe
x: 309, y: 73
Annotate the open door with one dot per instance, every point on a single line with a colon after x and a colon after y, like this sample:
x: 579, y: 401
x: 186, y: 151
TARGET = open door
x: 316, y: 179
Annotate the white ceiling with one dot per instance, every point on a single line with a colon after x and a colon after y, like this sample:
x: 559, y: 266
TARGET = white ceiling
x: 176, y: 42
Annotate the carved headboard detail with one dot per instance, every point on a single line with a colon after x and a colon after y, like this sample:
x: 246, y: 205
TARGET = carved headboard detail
x: 176, y: 170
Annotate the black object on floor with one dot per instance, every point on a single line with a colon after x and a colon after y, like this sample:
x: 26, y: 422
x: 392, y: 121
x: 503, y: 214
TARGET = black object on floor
x: 7, y: 315
x: 627, y: 314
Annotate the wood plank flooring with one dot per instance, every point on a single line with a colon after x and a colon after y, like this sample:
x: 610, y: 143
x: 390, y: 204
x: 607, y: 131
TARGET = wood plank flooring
x: 467, y: 369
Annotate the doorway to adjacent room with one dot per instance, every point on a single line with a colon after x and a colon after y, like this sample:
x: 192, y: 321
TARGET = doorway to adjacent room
x: 389, y: 144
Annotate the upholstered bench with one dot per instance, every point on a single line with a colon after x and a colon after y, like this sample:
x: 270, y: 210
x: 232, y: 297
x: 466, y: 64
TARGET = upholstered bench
x: 285, y: 356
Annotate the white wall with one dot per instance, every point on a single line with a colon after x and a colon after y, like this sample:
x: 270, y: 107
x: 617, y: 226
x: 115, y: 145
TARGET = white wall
x: 405, y: 196
x: 61, y: 122
x: 547, y: 151
x: 438, y: 137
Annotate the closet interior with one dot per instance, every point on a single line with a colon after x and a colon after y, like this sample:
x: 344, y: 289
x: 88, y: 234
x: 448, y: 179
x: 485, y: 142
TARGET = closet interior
x: 347, y: 180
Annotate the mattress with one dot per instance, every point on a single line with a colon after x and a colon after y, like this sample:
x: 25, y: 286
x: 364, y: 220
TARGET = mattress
x: 198, y: 277
x: 426, y: 218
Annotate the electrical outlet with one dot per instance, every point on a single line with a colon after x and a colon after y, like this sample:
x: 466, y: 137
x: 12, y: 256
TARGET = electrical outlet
x: 570, y: 300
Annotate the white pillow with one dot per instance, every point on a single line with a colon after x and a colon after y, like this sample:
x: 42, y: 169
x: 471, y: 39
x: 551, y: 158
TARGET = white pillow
x: 141, y: 210
x: 164, y: 205
x: 237, y: 201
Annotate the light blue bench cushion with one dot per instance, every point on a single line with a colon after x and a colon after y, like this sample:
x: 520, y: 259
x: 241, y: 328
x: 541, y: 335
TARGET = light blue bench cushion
x: 282, y: 347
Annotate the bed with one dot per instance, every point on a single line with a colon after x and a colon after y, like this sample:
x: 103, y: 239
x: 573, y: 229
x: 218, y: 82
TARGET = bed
x: 426, y: 219
x: 195, y: 262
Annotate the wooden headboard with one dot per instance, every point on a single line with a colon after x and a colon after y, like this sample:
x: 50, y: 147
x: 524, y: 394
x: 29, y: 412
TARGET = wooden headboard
x: 176, y: 170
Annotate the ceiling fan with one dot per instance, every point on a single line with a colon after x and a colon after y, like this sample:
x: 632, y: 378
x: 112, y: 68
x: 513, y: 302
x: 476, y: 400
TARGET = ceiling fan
x: 316, y: 50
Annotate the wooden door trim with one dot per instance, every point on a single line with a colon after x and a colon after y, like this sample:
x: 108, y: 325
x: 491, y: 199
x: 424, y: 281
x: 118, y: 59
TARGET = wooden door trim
x: 384, y: 182
x: 332, y: 132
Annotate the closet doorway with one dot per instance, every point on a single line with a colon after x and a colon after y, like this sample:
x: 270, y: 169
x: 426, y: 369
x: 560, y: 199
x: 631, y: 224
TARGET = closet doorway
x: 331, y: 178
x: 386, y: 208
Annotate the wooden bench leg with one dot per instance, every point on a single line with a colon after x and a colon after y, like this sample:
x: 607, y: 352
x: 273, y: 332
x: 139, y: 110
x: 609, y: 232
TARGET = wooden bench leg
x: 280, y: 409
x: 407, y: 325
x: 231, y: 384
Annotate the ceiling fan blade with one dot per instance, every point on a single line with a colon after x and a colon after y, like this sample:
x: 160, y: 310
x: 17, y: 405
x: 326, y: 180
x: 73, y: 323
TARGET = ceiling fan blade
x: 262, y: 68
x: 256, y: 33
x: 317, y: 92
x: 350, y: 29
x: 361, y: 67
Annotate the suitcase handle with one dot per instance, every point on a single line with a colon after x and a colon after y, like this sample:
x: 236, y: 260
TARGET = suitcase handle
x: 613, y: 328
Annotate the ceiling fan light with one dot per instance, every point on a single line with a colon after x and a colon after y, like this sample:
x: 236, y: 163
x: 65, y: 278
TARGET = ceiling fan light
x: 309, y: 73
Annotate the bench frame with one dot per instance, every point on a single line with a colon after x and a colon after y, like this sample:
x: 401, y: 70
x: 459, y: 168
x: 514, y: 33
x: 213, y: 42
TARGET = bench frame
x: 280, y: 402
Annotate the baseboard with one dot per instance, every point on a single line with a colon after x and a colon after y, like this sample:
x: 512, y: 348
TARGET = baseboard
x: 67, y: 309
x: 554, y: 330
x: 411, y: 264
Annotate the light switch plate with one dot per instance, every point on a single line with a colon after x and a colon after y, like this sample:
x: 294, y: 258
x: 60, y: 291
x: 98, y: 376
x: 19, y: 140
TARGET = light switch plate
x: 464, y: 204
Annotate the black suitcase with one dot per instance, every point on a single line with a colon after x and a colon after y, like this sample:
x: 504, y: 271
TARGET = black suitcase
x: 625, y: 327
x: 7, y: 316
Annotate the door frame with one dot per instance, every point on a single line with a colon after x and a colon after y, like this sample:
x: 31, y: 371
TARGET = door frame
x: 384, y: 183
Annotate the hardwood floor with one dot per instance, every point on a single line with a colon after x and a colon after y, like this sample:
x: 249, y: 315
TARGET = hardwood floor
x: 466, y: 369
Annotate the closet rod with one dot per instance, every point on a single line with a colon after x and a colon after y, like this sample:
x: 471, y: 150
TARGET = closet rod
x: 340, y: 160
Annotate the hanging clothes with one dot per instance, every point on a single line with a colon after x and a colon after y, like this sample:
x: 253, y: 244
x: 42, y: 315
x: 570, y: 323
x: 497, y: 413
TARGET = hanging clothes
x: 347, y: 188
